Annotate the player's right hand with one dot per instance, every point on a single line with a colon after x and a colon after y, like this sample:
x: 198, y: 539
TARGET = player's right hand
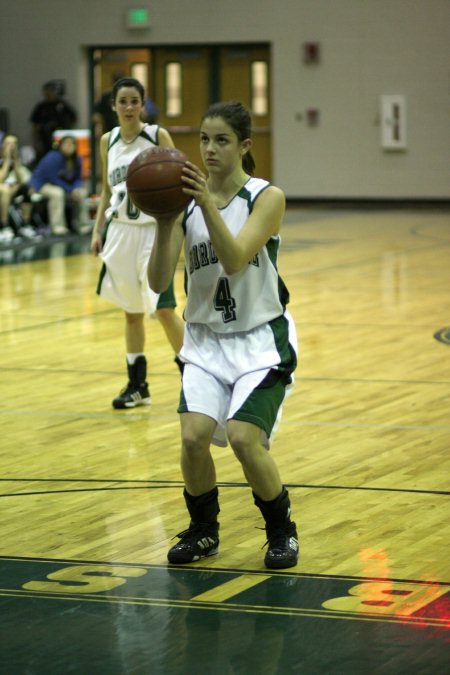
x: 96, y: 243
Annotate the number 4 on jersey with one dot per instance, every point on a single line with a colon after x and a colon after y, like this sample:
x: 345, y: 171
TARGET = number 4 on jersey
x: 224, y: 301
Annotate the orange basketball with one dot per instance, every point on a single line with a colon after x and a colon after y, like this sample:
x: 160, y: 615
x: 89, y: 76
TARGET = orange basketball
x: 154, y: 181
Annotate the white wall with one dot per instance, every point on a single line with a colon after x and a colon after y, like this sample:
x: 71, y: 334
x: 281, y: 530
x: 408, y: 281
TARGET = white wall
x: 369, y: 48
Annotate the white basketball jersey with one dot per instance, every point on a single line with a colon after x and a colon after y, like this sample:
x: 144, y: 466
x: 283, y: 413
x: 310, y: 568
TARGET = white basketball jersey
x: 237, y: 302
x: 120, y: 156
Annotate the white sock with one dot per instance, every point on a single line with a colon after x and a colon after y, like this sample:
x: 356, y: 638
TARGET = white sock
x: 131, y: 358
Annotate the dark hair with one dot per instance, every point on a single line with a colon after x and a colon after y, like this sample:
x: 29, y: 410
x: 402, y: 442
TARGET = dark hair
x: 50, y: 86
x: 60, y: 141
x: 127, y: 82
x: 238, y: 117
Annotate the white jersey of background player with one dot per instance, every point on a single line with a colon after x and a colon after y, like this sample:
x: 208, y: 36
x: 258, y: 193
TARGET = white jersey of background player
x: 120, y: 156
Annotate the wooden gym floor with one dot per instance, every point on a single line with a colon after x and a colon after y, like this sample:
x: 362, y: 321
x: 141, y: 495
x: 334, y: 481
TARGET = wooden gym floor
x: 91, y: 497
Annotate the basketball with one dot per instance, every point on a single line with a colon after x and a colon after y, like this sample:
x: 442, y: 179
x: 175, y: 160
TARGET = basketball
x: 154, y: 181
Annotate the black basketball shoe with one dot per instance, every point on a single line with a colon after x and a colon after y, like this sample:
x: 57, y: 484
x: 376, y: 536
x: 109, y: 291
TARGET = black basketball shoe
x: 132, y: 395
x: 136, y: 392
x: 283, y: 549
x: 200, y: 540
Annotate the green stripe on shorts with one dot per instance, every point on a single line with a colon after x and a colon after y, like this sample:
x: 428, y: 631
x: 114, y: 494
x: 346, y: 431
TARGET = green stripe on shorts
x: 261, y: 407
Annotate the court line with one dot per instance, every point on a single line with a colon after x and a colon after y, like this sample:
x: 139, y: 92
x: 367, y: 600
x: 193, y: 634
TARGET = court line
x: 230, y: 607
x: 150, y: 485
x: 69, y: 319
x: 354, y: 425
x: 201, y: 569
x: 364, y: 380
x: 415, y: 232
x: 301, y: 379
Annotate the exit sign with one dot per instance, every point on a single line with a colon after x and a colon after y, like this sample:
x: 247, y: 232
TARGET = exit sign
x: 138, y: 17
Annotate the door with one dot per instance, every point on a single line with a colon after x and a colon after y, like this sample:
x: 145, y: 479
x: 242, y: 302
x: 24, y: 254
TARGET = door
x: 181, y: 81
x: 105, y: 66
x: 244, y: 75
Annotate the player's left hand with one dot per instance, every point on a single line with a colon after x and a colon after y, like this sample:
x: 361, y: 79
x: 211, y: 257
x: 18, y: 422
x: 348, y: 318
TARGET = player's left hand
x: 195, y: 183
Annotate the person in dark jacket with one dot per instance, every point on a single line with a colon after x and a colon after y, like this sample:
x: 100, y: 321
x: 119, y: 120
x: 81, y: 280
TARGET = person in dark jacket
x: 53, y: 112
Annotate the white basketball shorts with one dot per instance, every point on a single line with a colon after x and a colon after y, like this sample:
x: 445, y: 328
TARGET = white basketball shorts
x: 123, y: 279
x: 243, y: 376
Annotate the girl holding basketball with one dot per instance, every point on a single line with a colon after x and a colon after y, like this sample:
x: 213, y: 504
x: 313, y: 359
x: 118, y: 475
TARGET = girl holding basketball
x: 123, y: 237
x: 240, y: 345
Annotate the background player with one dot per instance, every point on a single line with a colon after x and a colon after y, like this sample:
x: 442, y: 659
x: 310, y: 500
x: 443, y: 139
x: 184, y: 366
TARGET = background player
x: 123, y: 237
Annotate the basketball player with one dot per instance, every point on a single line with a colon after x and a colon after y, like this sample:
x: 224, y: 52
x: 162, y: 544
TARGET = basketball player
x: 240, y: 346
x: 123, y: 237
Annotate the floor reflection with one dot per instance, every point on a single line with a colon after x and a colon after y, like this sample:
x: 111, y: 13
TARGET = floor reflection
x: 42, y: 249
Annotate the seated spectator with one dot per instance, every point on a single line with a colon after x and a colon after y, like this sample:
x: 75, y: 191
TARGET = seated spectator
x: 58, y: 176
x: 14, y: 177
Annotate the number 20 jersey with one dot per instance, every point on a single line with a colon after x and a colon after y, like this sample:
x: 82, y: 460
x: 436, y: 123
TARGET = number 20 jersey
x: 120, y: 156
x: 237, y: 302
